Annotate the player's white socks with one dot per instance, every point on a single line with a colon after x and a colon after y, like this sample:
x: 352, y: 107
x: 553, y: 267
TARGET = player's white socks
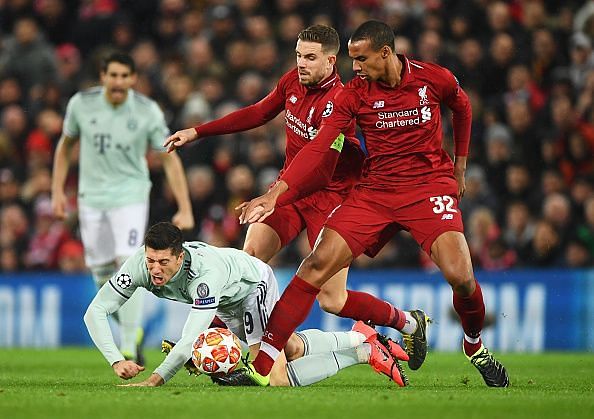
x: 130, y: 318
x: 317, y: 342
x: 102, y: 273
x: 313, y: 368
x: 410, y: 325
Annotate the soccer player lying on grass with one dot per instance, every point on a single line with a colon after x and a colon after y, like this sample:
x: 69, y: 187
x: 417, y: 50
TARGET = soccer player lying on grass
x: 236, y: 287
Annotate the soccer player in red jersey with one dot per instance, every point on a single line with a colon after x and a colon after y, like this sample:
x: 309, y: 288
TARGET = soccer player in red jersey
x: 304, y: 94
x: 408, y: 182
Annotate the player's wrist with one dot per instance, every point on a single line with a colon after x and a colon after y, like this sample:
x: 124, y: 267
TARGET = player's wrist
x: 156, y: 380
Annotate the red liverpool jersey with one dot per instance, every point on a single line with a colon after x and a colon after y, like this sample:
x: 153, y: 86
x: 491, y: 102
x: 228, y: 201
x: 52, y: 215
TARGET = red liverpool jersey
x: 401, y: 125
x: 303, y: 107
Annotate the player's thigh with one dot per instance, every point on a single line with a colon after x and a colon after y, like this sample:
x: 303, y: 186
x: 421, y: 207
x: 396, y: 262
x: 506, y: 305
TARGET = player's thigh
x: 128, y: 224
x: 333, y: 294
x: 97, y: 237
x: 361, y: 221
x: 262, y: 241
x: 258, y: 305
x: 314, y: 211
x: 431, y: 211
x: 286, y: 222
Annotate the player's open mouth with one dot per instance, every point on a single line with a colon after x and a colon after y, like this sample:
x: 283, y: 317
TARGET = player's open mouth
x: 156, y: 280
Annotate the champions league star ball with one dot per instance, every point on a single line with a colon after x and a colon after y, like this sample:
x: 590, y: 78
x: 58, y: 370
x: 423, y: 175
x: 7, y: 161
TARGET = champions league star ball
x: 216, y: 351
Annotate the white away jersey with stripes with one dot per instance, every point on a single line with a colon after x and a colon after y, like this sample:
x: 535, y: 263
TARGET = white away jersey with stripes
x: 211, y: 279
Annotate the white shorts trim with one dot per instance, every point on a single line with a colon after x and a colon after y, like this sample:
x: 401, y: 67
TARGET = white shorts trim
x: 112, y: 234
x: 248, y: 320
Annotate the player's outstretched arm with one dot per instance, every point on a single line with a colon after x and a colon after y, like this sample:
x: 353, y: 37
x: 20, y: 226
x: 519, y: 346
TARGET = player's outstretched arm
x: 241, y: 120
x: 59, y: 174
x: 176, y: 177
x: 459, y: 174
x: 107, y: 301
x: 179, y: 138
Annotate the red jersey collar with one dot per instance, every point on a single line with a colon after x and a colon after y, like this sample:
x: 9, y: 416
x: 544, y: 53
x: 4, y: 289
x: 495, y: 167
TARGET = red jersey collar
x: 408, y: 69
x: 328, y: 82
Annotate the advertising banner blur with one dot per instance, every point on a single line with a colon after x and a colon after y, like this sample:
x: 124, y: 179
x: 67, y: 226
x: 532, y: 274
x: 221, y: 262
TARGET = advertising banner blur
x: 527, y: 311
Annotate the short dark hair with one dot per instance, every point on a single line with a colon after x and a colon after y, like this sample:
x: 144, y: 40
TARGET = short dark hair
x: 322, y: 34
x: 118, y: 57
x: 378, y: 33
x: 164, y: 235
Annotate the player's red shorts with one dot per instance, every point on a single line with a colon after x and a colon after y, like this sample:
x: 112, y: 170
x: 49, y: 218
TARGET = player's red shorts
x: 310, y: 213
x: 369, y: 218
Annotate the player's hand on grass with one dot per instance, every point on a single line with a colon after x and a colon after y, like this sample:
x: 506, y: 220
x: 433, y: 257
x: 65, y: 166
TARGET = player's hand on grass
x: 127, y: 369
x: 184, y: 220
x: 154, y: 380
x: 59, y: 204
x: 180, y: 138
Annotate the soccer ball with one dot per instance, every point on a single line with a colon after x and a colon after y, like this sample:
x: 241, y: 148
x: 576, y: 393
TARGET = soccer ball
x: 216, y: 351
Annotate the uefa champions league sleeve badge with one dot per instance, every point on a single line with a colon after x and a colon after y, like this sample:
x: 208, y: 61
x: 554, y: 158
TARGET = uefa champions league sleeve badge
x: 124, y: 281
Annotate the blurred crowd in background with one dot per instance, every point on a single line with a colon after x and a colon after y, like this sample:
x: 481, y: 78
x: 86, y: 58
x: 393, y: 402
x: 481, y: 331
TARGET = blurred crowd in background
x: 527, y: 65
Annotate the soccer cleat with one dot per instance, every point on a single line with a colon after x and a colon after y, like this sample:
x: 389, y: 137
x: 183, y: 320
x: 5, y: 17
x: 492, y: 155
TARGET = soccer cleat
x: 167, y: 346
x: 245, y: 376
x: 393, y: 347
x: 493, y: 371
x: 383, y: 362
x: 416, y: 342
x: 381, y: 359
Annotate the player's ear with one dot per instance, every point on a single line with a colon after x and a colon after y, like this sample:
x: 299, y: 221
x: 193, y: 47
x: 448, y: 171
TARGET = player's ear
x: 332, y: 59
x: 386, y: 51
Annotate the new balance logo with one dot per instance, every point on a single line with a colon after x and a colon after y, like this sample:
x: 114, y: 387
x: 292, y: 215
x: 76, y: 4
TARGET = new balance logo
x: 378, y: 104
x: 447, y: 217
x: 293, y: 99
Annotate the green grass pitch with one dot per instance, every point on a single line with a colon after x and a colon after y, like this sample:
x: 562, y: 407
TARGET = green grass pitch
x: 77, y: 383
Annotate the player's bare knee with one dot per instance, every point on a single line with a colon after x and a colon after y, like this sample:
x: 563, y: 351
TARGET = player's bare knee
x: 464, y: 287
x: 329, y: 303
x: 294, y: 348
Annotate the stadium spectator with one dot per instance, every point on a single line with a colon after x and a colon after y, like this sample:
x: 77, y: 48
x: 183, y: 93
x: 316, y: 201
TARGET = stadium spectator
x: 27, y: 56
x: 519, y: 230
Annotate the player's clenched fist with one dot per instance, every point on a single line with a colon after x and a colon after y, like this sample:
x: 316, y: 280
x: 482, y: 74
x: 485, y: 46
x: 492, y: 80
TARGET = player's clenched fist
x: 127, y: 369
x: 180, y: 138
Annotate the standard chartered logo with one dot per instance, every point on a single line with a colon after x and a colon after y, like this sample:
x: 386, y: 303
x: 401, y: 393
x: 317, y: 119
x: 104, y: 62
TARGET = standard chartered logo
x: 403, y: 118
x: 425, y: 114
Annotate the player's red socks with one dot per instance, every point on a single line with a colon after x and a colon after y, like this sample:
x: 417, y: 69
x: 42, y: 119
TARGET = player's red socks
x: 289, y: 312
x: 366, y: 307
x: 472, y: 314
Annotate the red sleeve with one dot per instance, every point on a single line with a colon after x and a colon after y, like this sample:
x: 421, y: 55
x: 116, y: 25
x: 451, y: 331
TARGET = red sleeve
x: 311, y: 178
x: 457, y: 100
x: 249, y: 117
x: 313, y: 167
